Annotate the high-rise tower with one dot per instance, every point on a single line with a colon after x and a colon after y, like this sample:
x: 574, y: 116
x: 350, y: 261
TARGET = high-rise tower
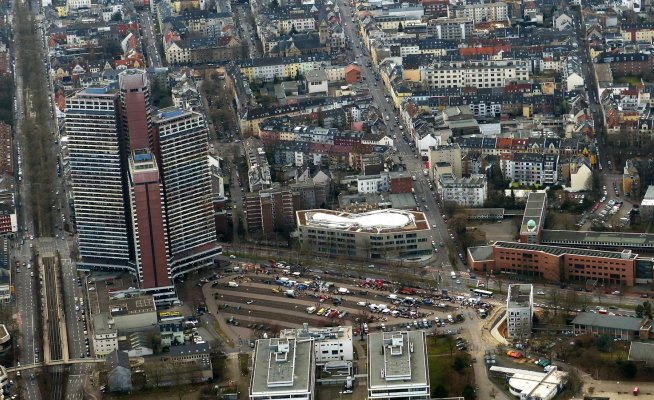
x: 96, y: 175
x: 135, y: 109
x: 181, y: 146
x: 149, y: 223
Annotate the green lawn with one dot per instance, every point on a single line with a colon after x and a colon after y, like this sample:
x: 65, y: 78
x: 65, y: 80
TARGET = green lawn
x: 440, y: 367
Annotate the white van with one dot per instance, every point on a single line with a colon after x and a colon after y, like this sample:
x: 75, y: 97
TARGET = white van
x: 311, y: 310
x: 232, y: 284
x: 361, y: 303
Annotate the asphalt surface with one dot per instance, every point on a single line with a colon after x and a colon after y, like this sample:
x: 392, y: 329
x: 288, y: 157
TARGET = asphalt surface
x: 149, y: 35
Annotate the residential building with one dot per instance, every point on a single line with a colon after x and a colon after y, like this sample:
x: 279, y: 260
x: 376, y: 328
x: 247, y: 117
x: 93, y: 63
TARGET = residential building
x: 91, y: 125
x: 373, y: 183
x: 519, y: 311
x: 466, y: 192
x: 449, y: 28
x: 181, y: 148
x: 618, y: 327
x: 482, y: 12
x: 631, y: 179
x: 259, y: 176
x: 450, y: 154
x: 270, y: 68
x: 555, y: 263
x: 479, y: 73
x: 533, y: 169
x: 105, y: 335
x: 149, y: 227
x: 329, y: 343
x: 274, y: 209
x: 171, y: 334
x: 398, y: 366
x: 380, y: 234
x: 400, y: 182
x: 436, y: 8
x: 283, y: 368
x: 317, y: 82
x: 119, y: 377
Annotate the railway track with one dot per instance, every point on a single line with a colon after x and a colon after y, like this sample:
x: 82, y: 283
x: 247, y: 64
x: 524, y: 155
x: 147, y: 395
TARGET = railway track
x: 54, y: 340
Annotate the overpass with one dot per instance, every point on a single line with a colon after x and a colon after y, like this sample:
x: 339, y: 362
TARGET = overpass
x: 52, y: 363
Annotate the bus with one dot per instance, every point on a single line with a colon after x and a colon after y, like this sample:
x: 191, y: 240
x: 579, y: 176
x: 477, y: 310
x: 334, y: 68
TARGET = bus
x: 482, y: 293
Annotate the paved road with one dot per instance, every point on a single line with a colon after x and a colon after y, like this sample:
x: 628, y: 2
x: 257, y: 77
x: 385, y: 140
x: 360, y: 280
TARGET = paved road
x: 150, y: 39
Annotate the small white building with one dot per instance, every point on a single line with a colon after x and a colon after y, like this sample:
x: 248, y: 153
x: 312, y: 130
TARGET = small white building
x: 519, y: 310
x: 373, y: 183
x: 329, y: 343
x: 580, y: 176
x: 105, y: 335
x: 526, y: 384
x: 397, y: 365
x: 283, y: 369
x: 317, y: 81
x: 466, y: 192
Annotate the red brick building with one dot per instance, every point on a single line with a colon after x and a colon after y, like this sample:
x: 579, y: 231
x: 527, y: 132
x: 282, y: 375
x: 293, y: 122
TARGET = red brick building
x: 400, y: 182
x: 436, y: 8
x: 553, y: 263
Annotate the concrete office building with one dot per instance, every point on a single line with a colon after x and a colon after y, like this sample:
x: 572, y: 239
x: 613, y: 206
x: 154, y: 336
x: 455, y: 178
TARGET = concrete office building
x: 379, y: 234
x: 95, y: 166
x: 150, y: 239
x: 105, y: 335
x: 450, y: 154
x: 466, y: 192
x: 180, y: 144
x: 398, y: 366
x: 533, y: 218
x: 329, y: 343
x: 519, y: 311
x: 283, y: 369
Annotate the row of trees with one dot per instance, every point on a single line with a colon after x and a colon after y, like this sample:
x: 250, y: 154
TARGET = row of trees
x: 35, y: 133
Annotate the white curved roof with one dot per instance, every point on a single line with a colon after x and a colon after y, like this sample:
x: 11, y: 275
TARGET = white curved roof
x: 379, y: 219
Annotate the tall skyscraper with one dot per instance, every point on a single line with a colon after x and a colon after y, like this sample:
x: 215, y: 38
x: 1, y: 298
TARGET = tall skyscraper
x: 149, y: 223
x: 96, y: 175
x: 181, y: 146
x: 135, y: 109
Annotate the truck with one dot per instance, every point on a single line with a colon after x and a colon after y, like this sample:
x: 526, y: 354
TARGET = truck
x: 232, y: 284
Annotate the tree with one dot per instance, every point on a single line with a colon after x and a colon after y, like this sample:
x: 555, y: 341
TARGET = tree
x: 459, y: 364
x: 451, y: 343
x: 603, y: 343
x: 440, y: 391
x: 117, y: 16
x: 640, y: 310
x: 469, y: 393
x: 647, y: 309
x: 628, y: 369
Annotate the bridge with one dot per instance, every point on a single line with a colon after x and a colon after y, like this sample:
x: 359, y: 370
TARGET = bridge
x: 69, y: 362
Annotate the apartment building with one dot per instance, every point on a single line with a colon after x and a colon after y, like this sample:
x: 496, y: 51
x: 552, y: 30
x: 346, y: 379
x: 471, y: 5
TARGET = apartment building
x: 482, y: 12
x: 450, y: 154
x: 380, y: 234
x: 269, y: 68
x: 479, y: 74
x: 373, y: 183
x: 398, y: 366
x: 105, y: 335
x: 520, y: 311
x: 466, y: 192
x: 182, y: 151
x: 450, y: 28
x: 436, y: 8
x: 95, y: 167
x: 533, y: 169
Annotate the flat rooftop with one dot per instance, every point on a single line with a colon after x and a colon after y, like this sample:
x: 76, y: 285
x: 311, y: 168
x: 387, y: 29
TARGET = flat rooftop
x: 481, y: 253
x: 397, y: 359
x: 560, y: 251
x: 132, y: 305
x: 378, y: 221
x: 539, y: 385
x: 319, y: 334
x: 606, y: 239
x: 520, y: 295
x: 607, y: 321
x: 281, y: 366
x: 534, y: 211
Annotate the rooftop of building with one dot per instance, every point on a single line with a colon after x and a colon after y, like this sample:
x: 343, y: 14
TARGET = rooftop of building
x: 538, y: 385
x: 560, y: 251
x: 481, y: 253
x: 631, y: 324
x: 397, y: 359
x: 641, y: 351
x: 378, y: 221
x: 648, y: 199
x: 591, y: 238
x: 534, y: 212
x: 520, y: 295
x: 101, y: 325
x: 282, y: 365
x: 189, y: 349
x: 132, y: 305
x: 319, y: 334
